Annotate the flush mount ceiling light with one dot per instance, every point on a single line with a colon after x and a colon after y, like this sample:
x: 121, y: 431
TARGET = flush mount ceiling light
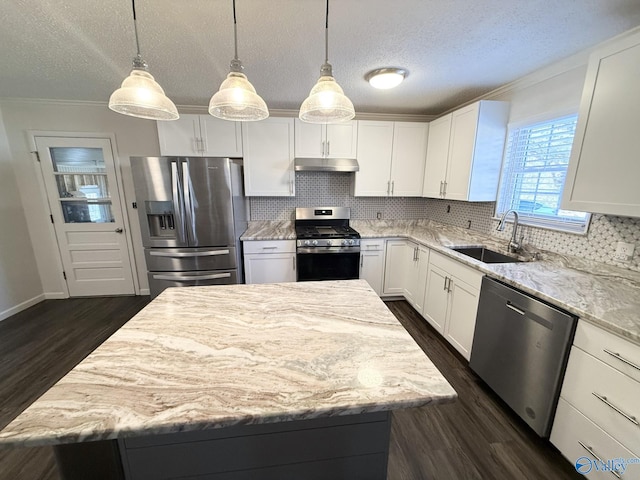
x: 237, y: 100
x: 327, y: 102
x: 385, y: 78
x: 140, y: 95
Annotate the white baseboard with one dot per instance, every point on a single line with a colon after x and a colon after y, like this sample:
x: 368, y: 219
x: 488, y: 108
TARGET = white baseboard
x: 22, y: 306
x: 145, y: 291
x: 55, y: 295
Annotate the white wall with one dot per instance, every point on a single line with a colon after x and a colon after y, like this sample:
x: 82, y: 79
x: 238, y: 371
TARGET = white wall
x: 134, y: 137
x: 20, y: 285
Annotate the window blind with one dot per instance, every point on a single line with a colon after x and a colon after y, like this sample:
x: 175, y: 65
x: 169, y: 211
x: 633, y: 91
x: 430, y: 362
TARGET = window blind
x: 533, y: 175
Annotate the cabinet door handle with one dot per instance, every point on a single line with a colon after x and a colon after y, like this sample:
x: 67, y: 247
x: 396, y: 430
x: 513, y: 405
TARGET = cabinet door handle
x: 621, y: 358
x: 445, y: 284
x: 328, y: 148
x: 444, y: 188
x: 441, y: 184
x: 361, y: 259
x: 294, y: 263
x: 393, y: 186
x: 595, y: 455
x: 388, y: 186
x: 604, y: 400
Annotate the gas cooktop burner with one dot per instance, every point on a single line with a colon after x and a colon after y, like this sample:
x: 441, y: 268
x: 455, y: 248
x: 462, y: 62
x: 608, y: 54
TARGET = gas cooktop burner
x: 325, y: 227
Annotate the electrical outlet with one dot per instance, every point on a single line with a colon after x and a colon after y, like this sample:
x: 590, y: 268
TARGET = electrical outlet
x: 379, y: 215
x: 624, y: 251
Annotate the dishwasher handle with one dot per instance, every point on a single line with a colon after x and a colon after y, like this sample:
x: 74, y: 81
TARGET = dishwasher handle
x: 514, y: 308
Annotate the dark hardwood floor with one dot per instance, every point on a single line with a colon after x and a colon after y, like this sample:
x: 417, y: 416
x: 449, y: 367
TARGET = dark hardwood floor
x: 476, y: 437
x: 38, y: 346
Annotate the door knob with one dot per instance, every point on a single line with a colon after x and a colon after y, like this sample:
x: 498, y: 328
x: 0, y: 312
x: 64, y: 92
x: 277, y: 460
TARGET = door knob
x: 118, y: 230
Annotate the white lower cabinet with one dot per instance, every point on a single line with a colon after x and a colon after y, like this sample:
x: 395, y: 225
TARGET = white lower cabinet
x: 451, y: 300
x: 416, y: 275
x: 396, y: 265
x: 598, y: 415
x: 372, y: 263
x: 576, y: 436
x: 271, y: 261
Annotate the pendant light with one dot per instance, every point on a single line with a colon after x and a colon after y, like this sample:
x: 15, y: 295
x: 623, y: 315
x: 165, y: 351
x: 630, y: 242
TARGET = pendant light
x: 140, y: 95
x: 237, y: 100
x: 327, y: 102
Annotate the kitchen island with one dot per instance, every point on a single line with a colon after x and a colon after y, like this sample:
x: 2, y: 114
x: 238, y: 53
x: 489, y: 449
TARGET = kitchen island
x: 291, y: 380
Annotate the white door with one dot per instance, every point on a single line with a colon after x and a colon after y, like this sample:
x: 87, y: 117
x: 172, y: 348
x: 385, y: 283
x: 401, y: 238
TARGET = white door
x: 398, y: 254
x: 270, y: 268
x: 436, y: 299
x: 464, y: 126
x: 342, y: 139
x: 80, y: 180
x: 461, y: 323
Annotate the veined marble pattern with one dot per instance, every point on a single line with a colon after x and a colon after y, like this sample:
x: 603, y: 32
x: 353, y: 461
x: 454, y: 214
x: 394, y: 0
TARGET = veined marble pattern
x: 207, y: 357
x: 605, y: 295
x: 270, y: 230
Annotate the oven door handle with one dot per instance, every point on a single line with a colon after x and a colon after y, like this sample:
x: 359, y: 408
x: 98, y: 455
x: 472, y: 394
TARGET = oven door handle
x: 326, y: 250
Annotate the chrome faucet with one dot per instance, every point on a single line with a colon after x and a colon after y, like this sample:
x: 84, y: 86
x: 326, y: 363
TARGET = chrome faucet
x: 514, y: 244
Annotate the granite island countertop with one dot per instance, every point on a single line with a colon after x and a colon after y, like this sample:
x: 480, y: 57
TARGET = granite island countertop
x: 206, y: 357
x: 601, y: 294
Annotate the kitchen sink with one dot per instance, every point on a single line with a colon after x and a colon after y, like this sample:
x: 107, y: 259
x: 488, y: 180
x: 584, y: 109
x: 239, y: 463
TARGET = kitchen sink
x: 485, y: 255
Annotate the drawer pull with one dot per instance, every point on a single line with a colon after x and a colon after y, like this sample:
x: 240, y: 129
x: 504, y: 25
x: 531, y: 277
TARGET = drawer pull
x: 594, y: 455
x: 621, y: 358
x: 604, y: 400
x: 269, y: 248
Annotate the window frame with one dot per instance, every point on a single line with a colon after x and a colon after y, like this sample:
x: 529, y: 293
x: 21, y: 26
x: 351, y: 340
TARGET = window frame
x: 576, y: 228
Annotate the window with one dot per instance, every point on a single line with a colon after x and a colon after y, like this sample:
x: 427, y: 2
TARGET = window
x: 533, y: 174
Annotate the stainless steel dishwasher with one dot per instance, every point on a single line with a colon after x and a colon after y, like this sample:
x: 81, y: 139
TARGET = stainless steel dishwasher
x: 520, y: 349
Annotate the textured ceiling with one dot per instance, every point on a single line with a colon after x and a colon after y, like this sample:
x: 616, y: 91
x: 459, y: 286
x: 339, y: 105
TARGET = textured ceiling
x: 455, y: 50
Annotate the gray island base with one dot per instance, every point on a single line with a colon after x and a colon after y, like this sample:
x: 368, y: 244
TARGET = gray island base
x: 346, y: 447
x: 275, y: 381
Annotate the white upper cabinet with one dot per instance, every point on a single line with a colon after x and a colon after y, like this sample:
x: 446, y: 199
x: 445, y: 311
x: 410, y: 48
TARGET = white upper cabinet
x: 604, y: 167
x: 474, y: 151
x: 326, y: 141
x: 391, y: 158
x: 268, y: 157
x: 407, y: 158
x: 437, y: 153
x: 200, y: 135
x: 375, y: 143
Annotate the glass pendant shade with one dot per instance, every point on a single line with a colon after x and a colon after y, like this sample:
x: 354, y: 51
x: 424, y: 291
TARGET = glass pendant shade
x: 237, y: 100
x: 141, y: 96
x: 326, y: 103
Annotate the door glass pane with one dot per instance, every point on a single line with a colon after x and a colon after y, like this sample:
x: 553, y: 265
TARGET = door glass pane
x: 87, y: 212
x: 82, y: 183
x: 80, y: 172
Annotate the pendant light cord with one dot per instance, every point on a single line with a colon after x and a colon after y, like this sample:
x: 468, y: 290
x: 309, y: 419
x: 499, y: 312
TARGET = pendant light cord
x: 326, y: 35
x: 235, y: 33
x: 135, y: 26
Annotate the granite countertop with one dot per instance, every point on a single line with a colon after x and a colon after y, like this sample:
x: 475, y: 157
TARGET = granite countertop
x: 268, y: 230
x: 604, y: 295
x: 206, y: 357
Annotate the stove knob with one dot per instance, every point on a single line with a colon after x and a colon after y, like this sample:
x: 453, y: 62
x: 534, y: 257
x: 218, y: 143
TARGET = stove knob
x: 351, y: 242
x: 314, y: 242
x: 345, y: 242
x: 307, y: 242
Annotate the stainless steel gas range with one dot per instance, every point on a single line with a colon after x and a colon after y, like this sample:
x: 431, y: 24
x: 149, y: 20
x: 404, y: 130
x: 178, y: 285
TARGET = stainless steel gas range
x: 327, y: 248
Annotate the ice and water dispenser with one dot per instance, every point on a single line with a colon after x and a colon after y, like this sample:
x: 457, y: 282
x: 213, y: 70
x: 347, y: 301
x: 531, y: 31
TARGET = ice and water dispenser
x: 160, y: 219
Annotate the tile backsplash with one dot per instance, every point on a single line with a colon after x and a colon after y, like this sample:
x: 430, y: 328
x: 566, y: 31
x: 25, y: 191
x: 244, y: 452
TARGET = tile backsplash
x: 315, y: 189
x: 598, y: 244
x: 334, y: 189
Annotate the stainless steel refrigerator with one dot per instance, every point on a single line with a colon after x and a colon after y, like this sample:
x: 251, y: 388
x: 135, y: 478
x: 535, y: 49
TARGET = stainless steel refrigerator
x: 192, y: 212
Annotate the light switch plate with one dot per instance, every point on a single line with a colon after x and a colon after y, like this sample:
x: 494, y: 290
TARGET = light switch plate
x: 624, y: 251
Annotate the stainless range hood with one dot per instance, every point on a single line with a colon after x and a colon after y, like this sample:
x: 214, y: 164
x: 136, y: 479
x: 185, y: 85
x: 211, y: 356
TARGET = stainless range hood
x: 326, y: 165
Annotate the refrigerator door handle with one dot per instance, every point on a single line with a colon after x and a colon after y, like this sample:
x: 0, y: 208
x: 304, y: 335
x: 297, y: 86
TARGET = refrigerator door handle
x: 154, y: 253
x: 188, y: 204
x: 177, y: 202
x: 188, y: 278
